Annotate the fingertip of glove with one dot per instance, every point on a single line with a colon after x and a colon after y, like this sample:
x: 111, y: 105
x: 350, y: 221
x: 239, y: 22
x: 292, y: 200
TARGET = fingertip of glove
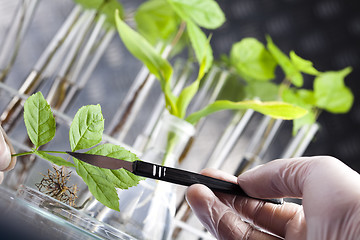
x: 197, y: 195
x: 7, y: 161
x: 1, y: 177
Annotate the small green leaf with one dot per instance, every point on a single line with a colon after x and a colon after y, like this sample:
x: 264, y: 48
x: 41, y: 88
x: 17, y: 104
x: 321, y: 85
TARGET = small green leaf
x: 98, y: 184
x: 252, y: 61
x: 91, y: 4
x: 289, y: 96
x: 291, y: 72
x: 302, y: 98
x: 86, y: 128
x: 205, y: 13
x: 102, y: 183
x: 331, y: 93
x: 265, y: 91
x: 109, y: 8
x: 272, y: 109
x: 340, y: 101
x: 200, y: 44
x: 303, y: 65
x: 54, y: 159
x: 307, y: 96
x: 204, y: 55
x: 39, y: 120
x: 156, y: 20
x: 185, y: 98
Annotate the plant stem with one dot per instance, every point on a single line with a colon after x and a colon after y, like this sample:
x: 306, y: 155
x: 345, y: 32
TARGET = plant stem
x: 31, y: 152
x: 22, y: 154
x: 171, y: 142
x: 317, y: 112
x: 178, y: 34
x: 62, y: 152
x: 285, y: 84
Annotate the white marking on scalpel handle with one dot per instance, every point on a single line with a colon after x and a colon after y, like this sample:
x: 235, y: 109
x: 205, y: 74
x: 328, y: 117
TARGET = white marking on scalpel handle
x: 160, y: 171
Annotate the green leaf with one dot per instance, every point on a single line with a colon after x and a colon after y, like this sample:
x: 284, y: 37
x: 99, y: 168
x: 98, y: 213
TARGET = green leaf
x: 185, y: 98
x: 291, y: 72
x: 331, y: 93
x: 289, y: 96
x: 142, y: 50
x: 204, y: 55
x: 265, y: 91
x: 303, y: 65
x: 272, y: 109
x: 302, y: 98
x: 39, y: 120
x: 98, y: 184
x: 109, y: 9
x: 200, y: 44
x: 205, y: 13
x: 307, y: 96
x: 54, y: 159
x: 91, y: 4
x: 156, y: 20
x: 102, y: 183
x: 252, y: 61
x: 121, y: 178
x: 86, y: 128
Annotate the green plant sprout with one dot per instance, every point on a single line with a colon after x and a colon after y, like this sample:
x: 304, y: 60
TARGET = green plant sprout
x: 177, y: 105
x: 256, y: 64
x: 86, y: 132
x: 165, y: 20
x: 171, y: 26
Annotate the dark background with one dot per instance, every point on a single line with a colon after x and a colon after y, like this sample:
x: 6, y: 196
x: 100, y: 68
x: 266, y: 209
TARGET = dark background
x: 327, y: 32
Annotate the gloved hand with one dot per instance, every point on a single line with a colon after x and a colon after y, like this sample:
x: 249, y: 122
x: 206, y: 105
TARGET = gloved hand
x: 330, y: 208
x: 6, y: 161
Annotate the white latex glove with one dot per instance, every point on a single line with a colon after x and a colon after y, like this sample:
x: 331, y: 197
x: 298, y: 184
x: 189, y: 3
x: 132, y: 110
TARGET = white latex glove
x: 6, y: 161
x: 330, y: 208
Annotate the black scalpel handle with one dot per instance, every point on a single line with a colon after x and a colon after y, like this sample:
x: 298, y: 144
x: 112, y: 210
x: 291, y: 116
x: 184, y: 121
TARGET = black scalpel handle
x: 186, y: 178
